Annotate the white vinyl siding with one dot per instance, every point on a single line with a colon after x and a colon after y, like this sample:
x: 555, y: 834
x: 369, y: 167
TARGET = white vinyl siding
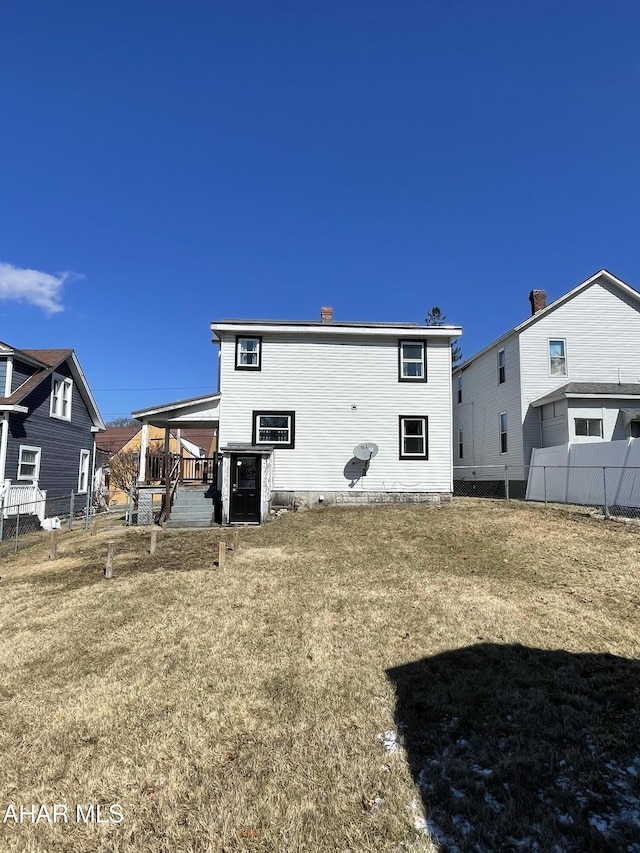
x: 484, y: 398
x: 601, y: 328
x: 344, y: 391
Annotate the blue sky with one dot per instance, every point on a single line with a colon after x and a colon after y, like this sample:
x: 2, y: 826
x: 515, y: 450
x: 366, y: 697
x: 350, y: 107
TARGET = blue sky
x: 166, y: 164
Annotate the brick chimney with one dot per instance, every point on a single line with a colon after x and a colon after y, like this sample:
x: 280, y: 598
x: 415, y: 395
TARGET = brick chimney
x: 326, y: 314
x: 538, y: 300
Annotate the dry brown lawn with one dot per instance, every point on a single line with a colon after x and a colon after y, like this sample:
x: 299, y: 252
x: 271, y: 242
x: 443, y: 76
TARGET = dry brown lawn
x: 364, y: 679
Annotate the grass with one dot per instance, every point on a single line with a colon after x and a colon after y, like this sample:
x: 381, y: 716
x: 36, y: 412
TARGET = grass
x: 245, y: 708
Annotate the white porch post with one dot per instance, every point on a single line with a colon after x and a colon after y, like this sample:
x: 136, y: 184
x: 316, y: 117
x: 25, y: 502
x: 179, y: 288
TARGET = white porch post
x: 144, y: 446
x: 4, y: 438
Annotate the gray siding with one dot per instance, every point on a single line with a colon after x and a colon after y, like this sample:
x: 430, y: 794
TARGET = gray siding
x: 3, y: 374
x: 21, y: 372
x: 60, y: 441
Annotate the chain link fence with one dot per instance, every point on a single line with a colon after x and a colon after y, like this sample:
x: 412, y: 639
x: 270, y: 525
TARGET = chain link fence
x: 614, y: 490
x: 71, y: 511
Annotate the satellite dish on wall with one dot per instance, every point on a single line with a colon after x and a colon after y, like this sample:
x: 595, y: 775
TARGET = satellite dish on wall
x: 365, y: 451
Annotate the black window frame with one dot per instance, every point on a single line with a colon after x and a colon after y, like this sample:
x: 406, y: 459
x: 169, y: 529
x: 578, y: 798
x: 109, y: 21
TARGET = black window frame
x: 423, y: 456
x: 459, y: 388
x: 413, y: 342
x: 290, y: 445
x: 257, y: 366
x: 502, y: 370
x: 460, y: 443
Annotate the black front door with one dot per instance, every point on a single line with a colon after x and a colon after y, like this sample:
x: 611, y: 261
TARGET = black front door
x: 245, y: 488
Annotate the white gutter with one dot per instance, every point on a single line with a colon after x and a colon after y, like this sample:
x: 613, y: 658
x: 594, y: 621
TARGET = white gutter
x: 330, y: 330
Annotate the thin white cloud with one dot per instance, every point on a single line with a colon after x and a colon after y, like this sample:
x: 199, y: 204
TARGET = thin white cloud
x: 37, y: 288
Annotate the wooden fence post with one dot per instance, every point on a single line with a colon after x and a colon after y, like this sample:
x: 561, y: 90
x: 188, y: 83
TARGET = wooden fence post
x: 222, y: 553
x: 94, y: 527
x: 53, y: 549
x: 236, y: 534
x: 154, y: 542
x: 111, y: 553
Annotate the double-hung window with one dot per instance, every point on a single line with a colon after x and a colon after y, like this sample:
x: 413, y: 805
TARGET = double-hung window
x: 460, y: 388
x: 503, y: 432
x: 277, y: 428
x: 460, y: 443
x: 61, y: 394
x: 83, y: 472
x: 248, y: 353
x: 412, y: 361
x: 414, y: 437
x: 501, y: 367
x: 557, y: 358
x: 29, y: 463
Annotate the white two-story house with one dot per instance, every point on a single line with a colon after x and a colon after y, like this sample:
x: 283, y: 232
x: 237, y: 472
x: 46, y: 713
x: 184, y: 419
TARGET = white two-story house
x: 569, y: 373
x: 332, y: 412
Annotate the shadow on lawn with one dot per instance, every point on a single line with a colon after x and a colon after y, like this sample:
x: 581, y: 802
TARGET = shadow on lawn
x: 515, y: 748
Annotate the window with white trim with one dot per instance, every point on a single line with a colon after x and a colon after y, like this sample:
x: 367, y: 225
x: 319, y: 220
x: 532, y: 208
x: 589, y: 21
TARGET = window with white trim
x: 503, y: 432
x: 588, y: 426
x: 83, y: 472
x: 501, y: 367
x: 557, y: 358
x: 412, y: 366
x: 277, y: 428
x: 414, y: 437
x: 61, y: 394
x: 248, y: 353
x: 460, y: 443
x: 460, y: 388
x: 29, y: 462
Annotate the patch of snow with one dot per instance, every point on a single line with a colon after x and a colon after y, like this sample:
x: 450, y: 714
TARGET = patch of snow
x: 485, y: 772
x: 389, y: 740
x: 457, y: 793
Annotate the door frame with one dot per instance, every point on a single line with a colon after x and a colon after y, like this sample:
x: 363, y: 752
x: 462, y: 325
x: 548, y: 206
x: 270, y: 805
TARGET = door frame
x: 233, y: 466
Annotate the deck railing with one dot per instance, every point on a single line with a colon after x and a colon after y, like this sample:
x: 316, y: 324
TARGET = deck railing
x: 187, y: 470
x: 27, y: 499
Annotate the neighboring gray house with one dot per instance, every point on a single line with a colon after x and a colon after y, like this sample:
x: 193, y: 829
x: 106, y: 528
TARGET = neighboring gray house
x: 569, y: 373
x: 48, y: 421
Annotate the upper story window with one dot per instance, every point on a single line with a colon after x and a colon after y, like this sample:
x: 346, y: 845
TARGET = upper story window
x: 248, y: 353
x: 61, y: 393
x: 29, y: 463
x: 414, y: 440
x: 276, y: 428
x: 501, y: 367
x: 412, y: 363
x: 460, y: 443
x: 460, y: 388
x: 557, y: 358
x: 503, y: 432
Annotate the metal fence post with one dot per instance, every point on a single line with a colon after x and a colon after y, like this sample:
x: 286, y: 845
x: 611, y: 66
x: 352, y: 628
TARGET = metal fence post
x: 604, y: 482
x: 544, y: 475
x: 72, y: 502
x: 506, y: 482
x: 130, y: 510
x: 86, y: 513
x: 1, y: 519
x: 15, y: 549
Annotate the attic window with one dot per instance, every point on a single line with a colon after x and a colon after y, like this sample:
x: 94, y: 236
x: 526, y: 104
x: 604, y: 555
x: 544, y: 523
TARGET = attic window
x: 61, y: 393
x: 557, y: 358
